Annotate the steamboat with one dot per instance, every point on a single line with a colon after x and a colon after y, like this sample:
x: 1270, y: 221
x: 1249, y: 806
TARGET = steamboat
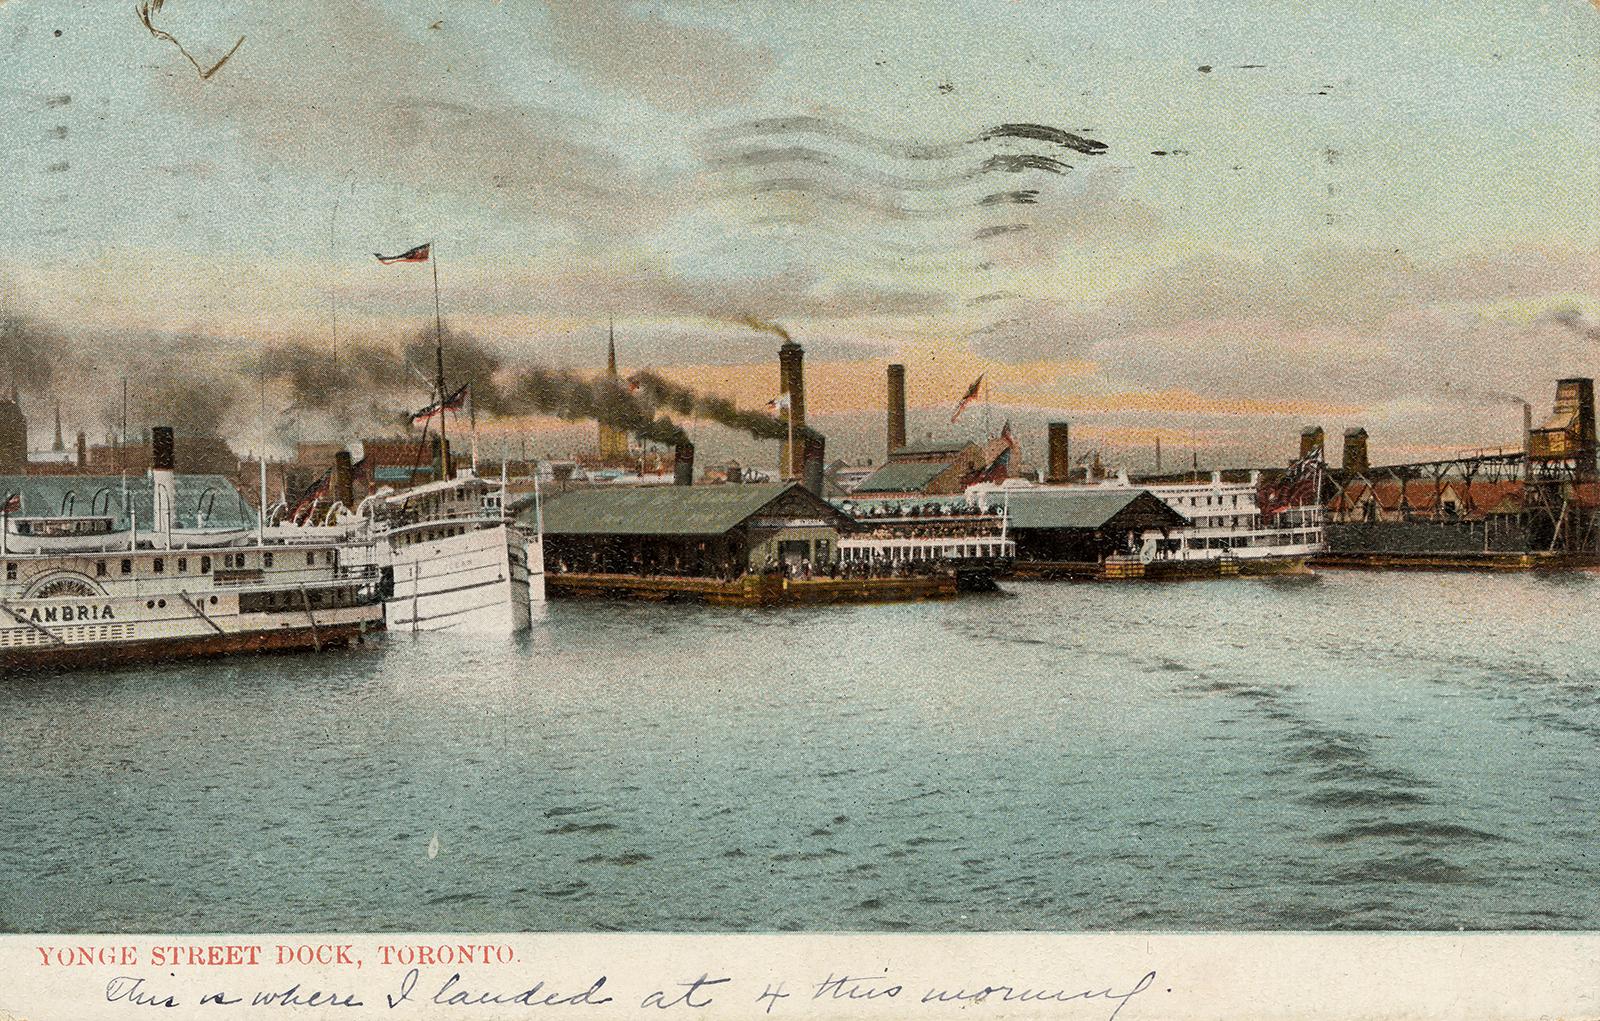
x: 116, y: 585
x: 450, y: 555
x: 1229, y: 529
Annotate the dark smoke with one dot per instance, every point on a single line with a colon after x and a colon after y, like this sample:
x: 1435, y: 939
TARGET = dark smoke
x: 684, y: 401
x: 757, y: 323
x: 28, y: 349
x: 161, y: 391
x: 1575, y: 321
x: 574, y: 398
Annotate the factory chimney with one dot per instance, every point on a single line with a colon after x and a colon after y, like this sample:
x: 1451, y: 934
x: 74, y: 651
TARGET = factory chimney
x: 815, y: 452
x: 163, y: 477
x: 1059, y: 443
x: 791, y: 381
x: 83, y: 451
x: 683, y: 464
x: 1355, y: 450
x: 897, y: 408
x: 344, y: 486
x: 1311, y: 438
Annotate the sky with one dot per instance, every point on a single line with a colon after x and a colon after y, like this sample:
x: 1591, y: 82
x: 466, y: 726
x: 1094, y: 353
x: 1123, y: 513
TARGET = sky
x: 1241, y: 218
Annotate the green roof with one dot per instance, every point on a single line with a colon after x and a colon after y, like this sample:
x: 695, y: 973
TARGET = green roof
x: 101, y: 496
x: 662, y: 510
x: 1082, y: 508
x: 932, y: 447
x: 901, y: 477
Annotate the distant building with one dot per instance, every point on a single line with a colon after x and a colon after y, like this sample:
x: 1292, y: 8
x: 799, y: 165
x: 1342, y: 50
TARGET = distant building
x: 13, y: 435
x: 938, y: 468
x: 699, y: 531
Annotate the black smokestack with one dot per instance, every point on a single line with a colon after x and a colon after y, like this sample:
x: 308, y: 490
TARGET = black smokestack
x: 162, y: 456
x: 344, y: 490
x: 897, y: 408
x: 1059, y: 443
x: 683, y: 463
x: 792, y: 381
x: 813, y: 464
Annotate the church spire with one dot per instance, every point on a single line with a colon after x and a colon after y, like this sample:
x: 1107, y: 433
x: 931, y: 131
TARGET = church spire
x: 59, y: 444
x: 611, y: 350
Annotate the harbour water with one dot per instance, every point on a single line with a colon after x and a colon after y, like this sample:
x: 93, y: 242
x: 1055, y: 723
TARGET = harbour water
x: 1339, y: 751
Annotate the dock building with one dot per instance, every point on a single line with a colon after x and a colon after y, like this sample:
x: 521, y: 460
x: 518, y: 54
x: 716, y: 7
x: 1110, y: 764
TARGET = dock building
x: 722, y: 531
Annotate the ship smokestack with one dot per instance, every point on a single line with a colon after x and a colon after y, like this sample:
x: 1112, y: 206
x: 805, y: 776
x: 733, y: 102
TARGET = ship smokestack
x: 163, y: 477
x: 792, y: 381
x: 897, y: 408
x: 1059, y: 444
x: 815, y: 453
x: 1527, y: 425
x: 683, y: 464
x: 344, y: 487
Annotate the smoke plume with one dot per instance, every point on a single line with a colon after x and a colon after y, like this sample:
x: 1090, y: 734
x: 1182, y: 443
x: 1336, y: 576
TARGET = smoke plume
x: 572, y: 397
x: 684, y: 401
x: 757, y: 323
x: 1575, y: 321
x: 27, y: 350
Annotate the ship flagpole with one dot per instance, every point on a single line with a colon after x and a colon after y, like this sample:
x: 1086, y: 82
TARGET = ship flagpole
x: 438, y: 362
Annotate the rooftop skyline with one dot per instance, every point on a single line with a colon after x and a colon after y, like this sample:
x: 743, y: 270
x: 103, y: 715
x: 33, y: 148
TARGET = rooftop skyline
x: 1208, y: 223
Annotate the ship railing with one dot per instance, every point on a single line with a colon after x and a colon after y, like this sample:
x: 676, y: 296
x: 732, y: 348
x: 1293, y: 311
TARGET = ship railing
x: 309, y: 577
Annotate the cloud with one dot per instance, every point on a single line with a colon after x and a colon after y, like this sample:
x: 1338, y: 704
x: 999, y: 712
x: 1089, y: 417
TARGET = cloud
x: 668, y: 64
x: 342, y: 88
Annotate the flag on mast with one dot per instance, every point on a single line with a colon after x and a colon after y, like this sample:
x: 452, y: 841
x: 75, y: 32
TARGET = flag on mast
x: 1299, y: 485
x: 971, y: 395
x: 13, y: 504
x: 417, y: 254
x: 454, y: 402
x: 779, y: 403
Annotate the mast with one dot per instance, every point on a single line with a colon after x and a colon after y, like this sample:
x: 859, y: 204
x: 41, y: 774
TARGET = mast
x: 261, y: 460
x: 438, y: 363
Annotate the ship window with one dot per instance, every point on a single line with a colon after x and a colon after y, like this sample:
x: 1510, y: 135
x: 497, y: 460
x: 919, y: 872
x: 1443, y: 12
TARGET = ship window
x: 183, y: 565
x: 205, y: 565
x: 99, y: 568
x: 266, y: 560
x: 11, y: 572
x: 327, y: 557
x: 127, y: 566
x: 311, y: 560
x: 158, y: 565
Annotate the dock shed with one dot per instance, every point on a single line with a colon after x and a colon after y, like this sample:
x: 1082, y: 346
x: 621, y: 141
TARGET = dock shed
x: 694, y: 531
x: 1085, y: 525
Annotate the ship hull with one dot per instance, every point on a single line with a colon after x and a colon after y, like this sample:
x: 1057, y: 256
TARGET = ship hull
x: 476, y: 581
x: 157, y: 650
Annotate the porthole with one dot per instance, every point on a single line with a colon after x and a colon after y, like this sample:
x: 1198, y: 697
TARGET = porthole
x: 149, y: 604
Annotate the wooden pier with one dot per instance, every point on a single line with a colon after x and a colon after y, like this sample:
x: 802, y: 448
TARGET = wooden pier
x: 1365, y: 560
x: 751, y: 590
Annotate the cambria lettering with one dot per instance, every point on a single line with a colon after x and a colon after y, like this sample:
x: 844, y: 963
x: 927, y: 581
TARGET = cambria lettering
x: 68, y: 614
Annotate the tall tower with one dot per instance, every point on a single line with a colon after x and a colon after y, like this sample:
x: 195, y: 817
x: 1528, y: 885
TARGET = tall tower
x: 792, y: 381
x: 13, y: 436
x: 897, y: 408
x: 613, y: 441
x: 59, y: 444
